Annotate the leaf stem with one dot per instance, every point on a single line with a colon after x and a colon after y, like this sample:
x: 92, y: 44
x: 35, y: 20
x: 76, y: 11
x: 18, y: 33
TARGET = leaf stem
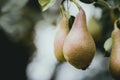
x: 62, y: 10
x: 116, y: 24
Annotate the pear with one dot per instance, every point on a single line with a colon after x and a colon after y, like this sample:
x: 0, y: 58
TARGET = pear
x: 114, y: 64
x: 94, y: 28
x: 79, y: 47
x: 60, y: 36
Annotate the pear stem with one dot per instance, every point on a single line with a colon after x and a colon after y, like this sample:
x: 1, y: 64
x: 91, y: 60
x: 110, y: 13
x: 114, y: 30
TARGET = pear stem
x: 74, y: 1
x: 115, y: 24
x: 65, y: 13
x: 62, y: 10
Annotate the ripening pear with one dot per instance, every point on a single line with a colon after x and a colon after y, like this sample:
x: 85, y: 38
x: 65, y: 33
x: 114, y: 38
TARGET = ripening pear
x: 61, y: 34
x: 79, y: 47
x: 114, y: 64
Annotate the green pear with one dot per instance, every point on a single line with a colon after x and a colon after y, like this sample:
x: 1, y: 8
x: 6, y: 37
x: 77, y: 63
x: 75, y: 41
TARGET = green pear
x: 114, y: 65
x: 94, y: 28
x: 79, y: 47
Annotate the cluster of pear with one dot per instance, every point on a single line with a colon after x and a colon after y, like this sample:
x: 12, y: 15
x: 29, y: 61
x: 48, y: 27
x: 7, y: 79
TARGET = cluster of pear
x: 75, y: 45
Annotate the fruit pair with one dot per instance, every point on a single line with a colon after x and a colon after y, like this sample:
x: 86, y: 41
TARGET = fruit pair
x: 76, y: 45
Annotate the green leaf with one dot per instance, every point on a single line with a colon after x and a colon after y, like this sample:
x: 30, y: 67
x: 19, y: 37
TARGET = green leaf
x: 45, y: 4
x: 108, y: 45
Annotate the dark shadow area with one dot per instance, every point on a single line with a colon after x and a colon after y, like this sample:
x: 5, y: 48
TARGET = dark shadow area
x: 13, y: 59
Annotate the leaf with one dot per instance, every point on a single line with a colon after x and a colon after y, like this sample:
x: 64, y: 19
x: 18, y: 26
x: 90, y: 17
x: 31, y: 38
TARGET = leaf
x: 45, y: 4
x: 108, y: 45
x: 87, y: 1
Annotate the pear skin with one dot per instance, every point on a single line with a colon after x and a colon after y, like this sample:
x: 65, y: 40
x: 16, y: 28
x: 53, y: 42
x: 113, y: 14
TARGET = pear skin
x: 60, y: 37
x: 79, y: 47
x: 114, y: 64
